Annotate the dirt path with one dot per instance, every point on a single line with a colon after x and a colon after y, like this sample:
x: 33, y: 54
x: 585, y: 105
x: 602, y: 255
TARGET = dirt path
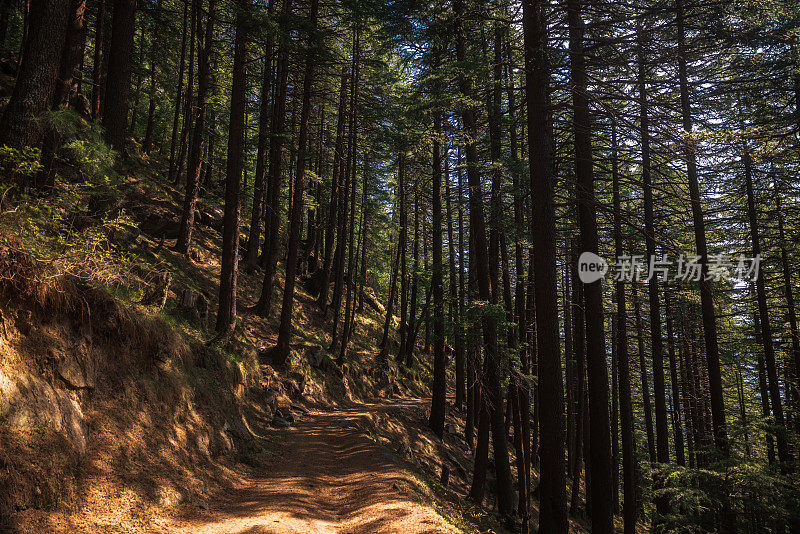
x: 324, y: 477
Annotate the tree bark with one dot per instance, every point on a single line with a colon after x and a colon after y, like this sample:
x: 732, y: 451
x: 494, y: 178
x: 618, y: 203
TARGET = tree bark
x: 766, y: 327
x: 596, y: 372
x: 706, y: 293
x: 277, y: 131
x: 70, y: 60
x: 97, y: 64
x: 196, y: 150
x: 151, y: 110
x: 296, y: 217
x: 552, y: 511
x: 505, y: 491
x: 330, y: 226
x: 118, y: 81
x: 178, y: 96
x: 38, y: 73
x: 226, y: 315
x: 439, y: 386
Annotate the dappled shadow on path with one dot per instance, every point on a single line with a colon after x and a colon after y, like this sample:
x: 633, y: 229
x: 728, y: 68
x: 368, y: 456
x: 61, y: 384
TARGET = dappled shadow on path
x: 325, y: 476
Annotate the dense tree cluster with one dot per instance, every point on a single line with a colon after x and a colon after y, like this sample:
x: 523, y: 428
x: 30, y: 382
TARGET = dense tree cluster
x: 459, y: 157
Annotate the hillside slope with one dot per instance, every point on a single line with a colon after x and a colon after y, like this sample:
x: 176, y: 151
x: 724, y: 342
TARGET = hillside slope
x: 121, y: 413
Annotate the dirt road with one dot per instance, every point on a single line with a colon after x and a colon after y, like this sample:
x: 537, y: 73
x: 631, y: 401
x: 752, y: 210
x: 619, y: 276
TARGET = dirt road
x: 325, y: 476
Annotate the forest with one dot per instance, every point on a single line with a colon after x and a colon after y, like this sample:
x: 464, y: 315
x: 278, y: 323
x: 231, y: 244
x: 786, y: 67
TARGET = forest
x: 570, y: 227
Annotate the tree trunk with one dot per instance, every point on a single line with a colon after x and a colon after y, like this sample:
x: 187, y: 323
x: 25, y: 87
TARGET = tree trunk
x: 226, y: 316
x: 766, y: 327
x: 578, y: 380
x: 97, y: 64
x: 597, y: 375
x: 706, y: 294
x: 677, y: 425
x: 296, y: 217
x: 178, y: 96
x: 505, y: 491
x: 648, y: 411
x: 439, y: 386
x: 259, y: 179
x: 186, y: 129
x: 333, y: 205
x: 118, y: 82
x: 552, y: 511
x: 70, y: 60
x: 277, y: 127
x: 789, y: 294
x: 20, y: 125
x: 151, y: 110
x: 196, y: 150
x: 654, y: 299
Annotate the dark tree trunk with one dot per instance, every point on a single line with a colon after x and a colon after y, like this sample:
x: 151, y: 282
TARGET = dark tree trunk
x: 789, y: 294
x: 403, y: 244
x: 677, y: 425
x: 196, y: 150
x: 407, y: 355
x: 763, y: 390
x: 151, y: 110
x: 178, y: 96
x: 578, y: 381
x: 614, y: 418
x: 706, y: 293
x: 118, y: 82
x: 186, y: 129
x: 597, y: 375
x: 277, y: 127
x: 505, y: 490
x: 552, y: 511
x: 648, y: 410
x: 455, y: 313
x: 97, y: 64
x: 523, y: 390
x: 439, y: 386
x: 766, y: 327
x: 226, y: 316
x: 629, y: 509
x: 330, y: 226
x: 296, y: 216
x: 38, y: 73
x: 259, y: 179
x: 70, y: 60
x: 654, y: 299
x: 364, y: 241
x: 344, y: 195
x: 348, y: 315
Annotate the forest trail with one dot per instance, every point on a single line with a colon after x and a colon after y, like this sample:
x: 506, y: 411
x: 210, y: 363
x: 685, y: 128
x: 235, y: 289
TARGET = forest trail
x: 325, y: 476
